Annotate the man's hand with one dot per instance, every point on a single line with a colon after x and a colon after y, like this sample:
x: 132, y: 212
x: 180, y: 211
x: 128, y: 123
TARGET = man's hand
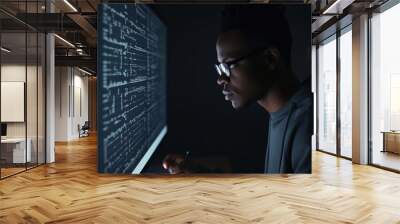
x: 179, y: 163
x: 174, y: 163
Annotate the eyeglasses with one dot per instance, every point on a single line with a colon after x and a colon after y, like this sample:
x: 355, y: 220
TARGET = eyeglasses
x: 225, y: 67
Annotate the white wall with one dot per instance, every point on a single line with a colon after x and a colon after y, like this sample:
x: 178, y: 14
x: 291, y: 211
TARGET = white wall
x: 70, y: 84
x: 80, y: 111
x: 62, y: 81
x: 9, y: 73
x: 16, y: 73
x: 33, y: 126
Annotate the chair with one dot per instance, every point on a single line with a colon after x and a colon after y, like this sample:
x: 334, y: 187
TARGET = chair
x: 84, y: 130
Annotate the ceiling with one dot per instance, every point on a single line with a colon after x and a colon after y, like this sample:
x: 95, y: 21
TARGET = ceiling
x: 76, y: 21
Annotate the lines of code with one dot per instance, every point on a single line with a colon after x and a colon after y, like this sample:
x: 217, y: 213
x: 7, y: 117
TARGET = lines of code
x: 131, y: 84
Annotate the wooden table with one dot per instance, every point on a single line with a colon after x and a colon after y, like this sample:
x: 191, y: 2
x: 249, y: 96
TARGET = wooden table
x: 391, y: 141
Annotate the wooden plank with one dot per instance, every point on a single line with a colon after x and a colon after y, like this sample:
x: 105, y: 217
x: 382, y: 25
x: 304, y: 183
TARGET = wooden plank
x: 71, y: 191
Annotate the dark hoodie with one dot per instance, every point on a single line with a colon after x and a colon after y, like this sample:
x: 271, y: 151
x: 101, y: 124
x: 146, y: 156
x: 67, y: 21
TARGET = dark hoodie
x: 289, y: 135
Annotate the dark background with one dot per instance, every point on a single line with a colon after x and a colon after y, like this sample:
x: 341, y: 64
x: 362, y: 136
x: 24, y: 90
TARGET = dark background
x: 199, y: 119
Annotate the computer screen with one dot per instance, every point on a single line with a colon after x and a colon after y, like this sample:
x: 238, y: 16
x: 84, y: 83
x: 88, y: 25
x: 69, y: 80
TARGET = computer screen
x: 3, y: 129
x: 131, y: 86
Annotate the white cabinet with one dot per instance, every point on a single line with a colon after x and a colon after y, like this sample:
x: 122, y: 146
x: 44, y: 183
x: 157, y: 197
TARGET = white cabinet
x: 19, y: 155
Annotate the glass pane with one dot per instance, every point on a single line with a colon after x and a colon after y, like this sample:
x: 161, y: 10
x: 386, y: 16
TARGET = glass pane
x: 41, y: 99
x: 77, y: 109
x: 346, y: 94
x: 80, y: 100
x: 314, y: 90
x: 13, y: 87
x: 327, y: 96
x: 32, y: 87
x: 31, y: 98
x: 385, y: 86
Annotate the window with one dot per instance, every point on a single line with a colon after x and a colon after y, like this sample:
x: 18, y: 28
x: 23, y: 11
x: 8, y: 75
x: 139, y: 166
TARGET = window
x: 327, y: 95
x: 346, y: 92
x: 385, y: 88
x: 22, y: 78
x: 314, y: 90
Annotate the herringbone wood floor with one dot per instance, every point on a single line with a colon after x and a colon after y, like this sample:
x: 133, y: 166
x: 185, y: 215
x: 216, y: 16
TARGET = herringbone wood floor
x: 71, y: 191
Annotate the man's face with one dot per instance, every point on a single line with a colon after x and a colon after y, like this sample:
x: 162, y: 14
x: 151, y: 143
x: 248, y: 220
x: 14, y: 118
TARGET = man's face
x: 248, y: 80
